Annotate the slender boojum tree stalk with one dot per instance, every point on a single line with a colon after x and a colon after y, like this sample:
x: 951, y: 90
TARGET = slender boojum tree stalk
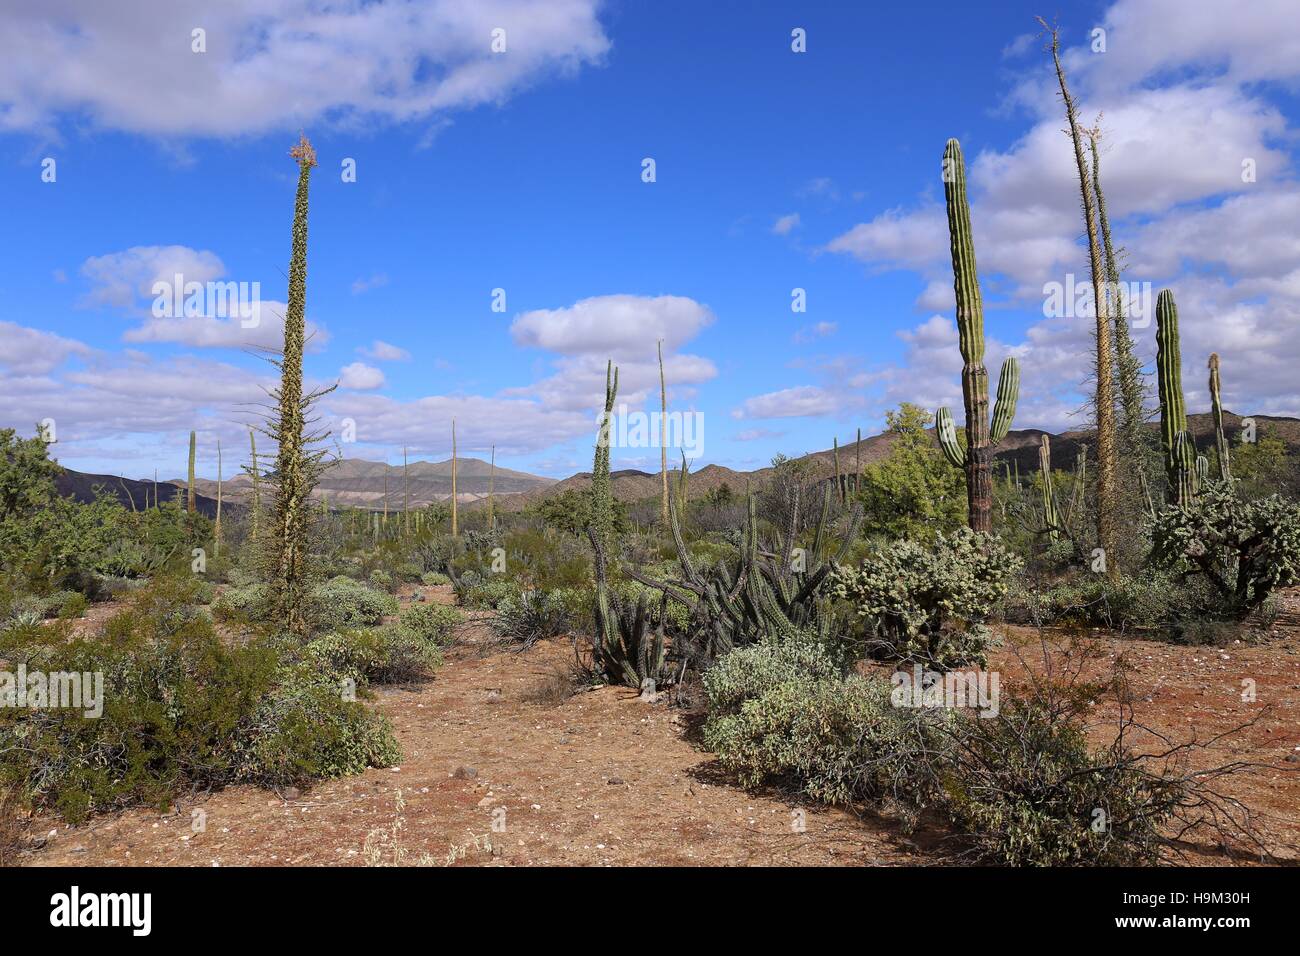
x: 1104, y: 402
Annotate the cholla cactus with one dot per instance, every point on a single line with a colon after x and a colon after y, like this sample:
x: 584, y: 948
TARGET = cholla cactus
x: 976, y: 458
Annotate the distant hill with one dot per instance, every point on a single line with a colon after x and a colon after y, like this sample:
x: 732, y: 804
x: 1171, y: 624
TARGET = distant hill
x: 361, y: 484
x: 132, y: 493
x: 356, y: 483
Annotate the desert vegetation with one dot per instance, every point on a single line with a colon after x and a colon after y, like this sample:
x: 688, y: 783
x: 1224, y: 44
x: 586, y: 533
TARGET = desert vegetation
x: 789, y: 615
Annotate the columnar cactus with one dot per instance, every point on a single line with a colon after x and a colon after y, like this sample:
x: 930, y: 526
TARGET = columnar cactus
x: 189, y: 486
x: 1216, y: 402
x: 1051, y: 516
x: 454, y: 525
x: 1175, y: 439
x: 839, y: 478
x: 216, y: 528
x: 976, y: 458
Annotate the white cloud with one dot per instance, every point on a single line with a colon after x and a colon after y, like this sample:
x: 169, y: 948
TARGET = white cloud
x: 786, y: 224
x: 277, y: 64
x: 1180, y: 112
x: 34, y: 352
x: 360, y: 377
x: 798, y: 402
x: 382, y: 351
x: 120, y: 279
x: 365, y: 285
x: 618, y: 326
x: 265, y: 330
x: 813, y: 332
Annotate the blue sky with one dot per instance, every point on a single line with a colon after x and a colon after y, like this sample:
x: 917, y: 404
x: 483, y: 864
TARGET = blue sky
x: 521, y: 171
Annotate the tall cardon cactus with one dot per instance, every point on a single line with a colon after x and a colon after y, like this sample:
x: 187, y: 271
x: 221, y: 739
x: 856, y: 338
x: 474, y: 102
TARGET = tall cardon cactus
x: 1175, y: 439
x: 976, y: 458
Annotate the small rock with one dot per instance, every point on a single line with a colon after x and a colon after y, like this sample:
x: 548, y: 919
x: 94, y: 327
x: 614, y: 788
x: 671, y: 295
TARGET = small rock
x: 465, y: 773
x: 616, y: 781
x: 292, y: 793
x: 1293, y: 758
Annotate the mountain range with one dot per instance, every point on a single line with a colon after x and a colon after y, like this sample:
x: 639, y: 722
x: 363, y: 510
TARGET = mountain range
x: 355, y: 483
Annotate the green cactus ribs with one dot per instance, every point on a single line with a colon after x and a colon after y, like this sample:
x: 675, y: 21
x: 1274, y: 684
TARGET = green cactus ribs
x: 976, y: 456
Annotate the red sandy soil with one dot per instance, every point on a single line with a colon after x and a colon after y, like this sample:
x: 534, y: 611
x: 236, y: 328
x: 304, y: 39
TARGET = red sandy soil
x: 602, y: 778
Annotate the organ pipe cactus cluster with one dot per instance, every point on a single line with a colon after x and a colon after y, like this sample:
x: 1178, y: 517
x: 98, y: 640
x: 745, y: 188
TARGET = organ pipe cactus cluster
x: 1216, y: 404
x: 1175, y: 439
x: 976, y: 458
x: 768, y: 593
x: 629, y: 648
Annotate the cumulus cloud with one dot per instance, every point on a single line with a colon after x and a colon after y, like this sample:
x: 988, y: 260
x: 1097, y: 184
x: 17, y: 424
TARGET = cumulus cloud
x: 360, y: 377
x: 278, y: 64
x: 1182, y: 117
x: 382, y: 351
x: 626, y: 328
x: 619, y: 326
x: 32, y: 351
x: 120, y: 279
x: 798, y: 402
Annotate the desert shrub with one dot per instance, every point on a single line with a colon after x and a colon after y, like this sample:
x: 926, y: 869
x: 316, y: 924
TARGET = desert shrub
x: 781, y: 713
x: 1145, y: 599
x: 389, y: 654
x: 247, y: 602
x: 170, y: 602
x: 1017, y: 782
x: 381, y: 580
x: 433, y: 579
x: 307, y: 729
x: 342, y: 604
x: 487, y: 592
x: 531, y: 616
x: 1027, y: 791
x: 1245, y: 550
x: 14, y: 821
x: 920, y: 603
x: 180, y: 710
x: 432, y: 622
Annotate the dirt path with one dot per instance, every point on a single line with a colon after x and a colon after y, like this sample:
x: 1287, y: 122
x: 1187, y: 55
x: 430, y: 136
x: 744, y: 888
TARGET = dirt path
x: 599, y: 779
x: 602, y: 778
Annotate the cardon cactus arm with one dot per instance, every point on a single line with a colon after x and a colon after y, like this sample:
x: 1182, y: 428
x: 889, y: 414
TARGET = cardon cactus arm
x: 946, y: 429
x: 1004, y: 409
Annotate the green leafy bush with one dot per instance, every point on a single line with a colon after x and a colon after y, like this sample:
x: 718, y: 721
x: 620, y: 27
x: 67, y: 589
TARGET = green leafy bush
x: 921, y: 603
x: 389, y: 654
x: 782, y: 713
x: 342, y: 604
x: 247, y: 602
x: 1147, y: 599
x: 433, y: 622
x: 434, y: 579
x: 487, y: 592
x: 1245, y: 550
x: 1018, y: 783
x: 180, y: 710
